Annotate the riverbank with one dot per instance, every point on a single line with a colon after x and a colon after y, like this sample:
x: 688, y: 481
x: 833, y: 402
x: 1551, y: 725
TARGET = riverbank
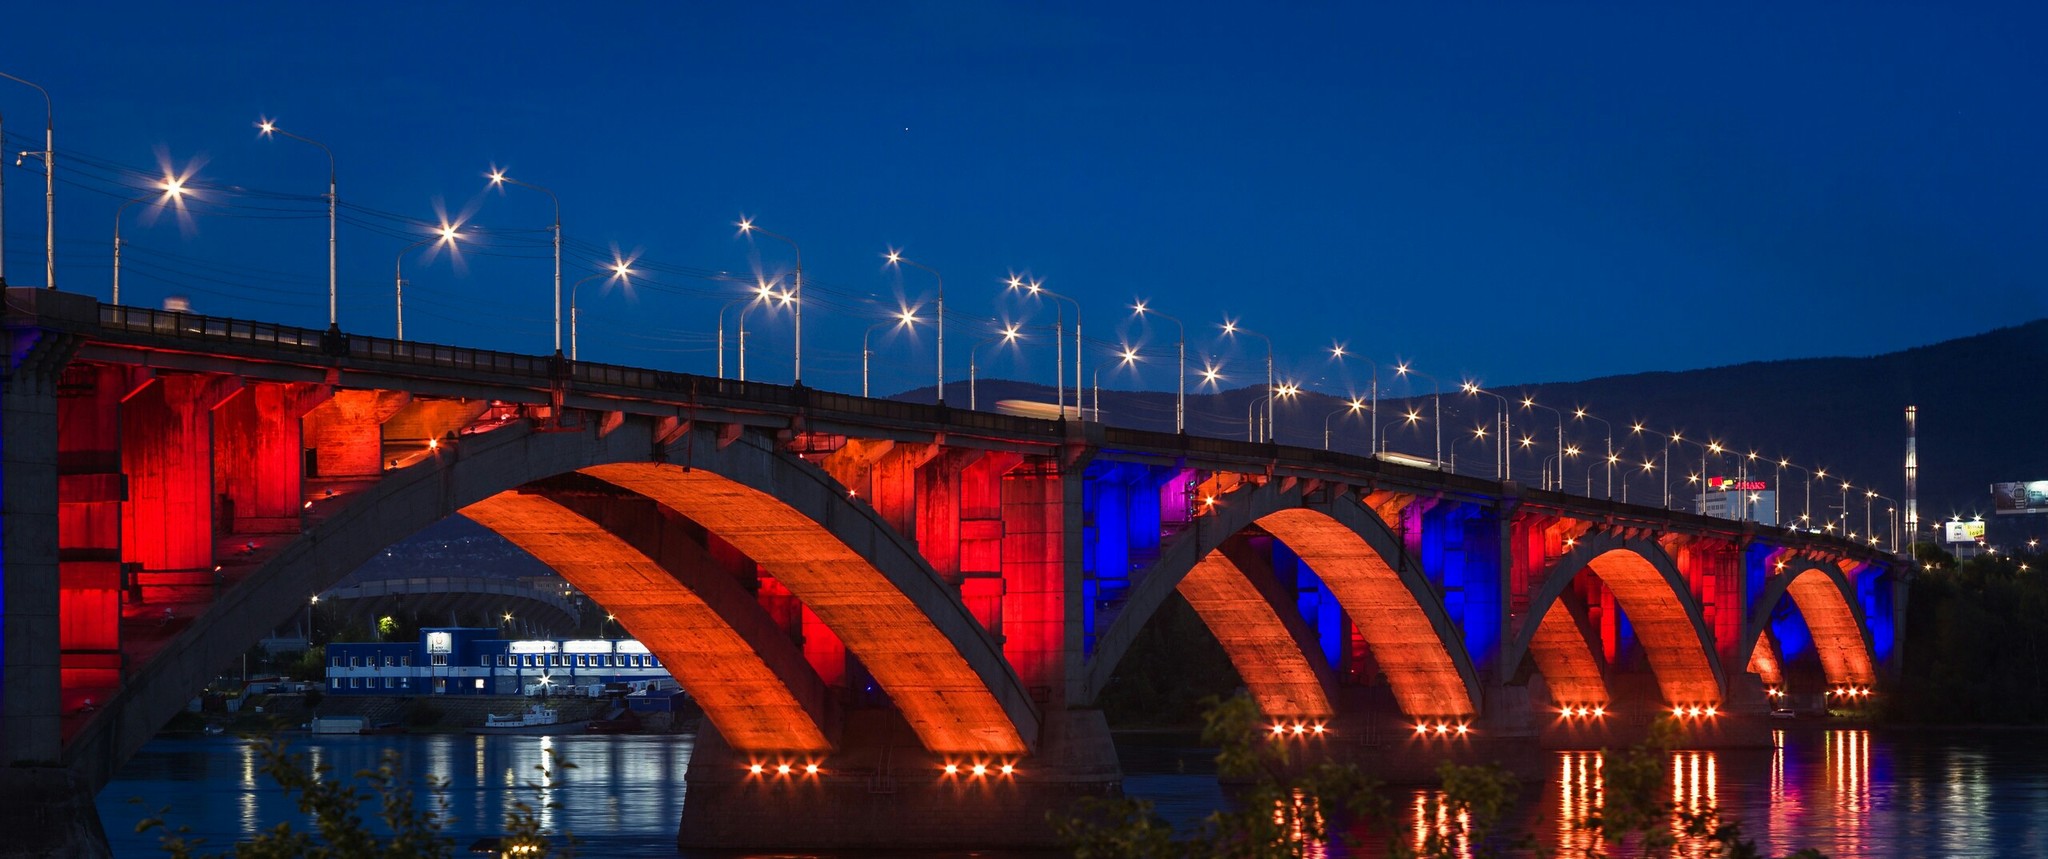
x: 421, y: 714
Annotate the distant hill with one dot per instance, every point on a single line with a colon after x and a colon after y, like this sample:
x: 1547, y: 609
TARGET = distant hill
x: 1983, y: 405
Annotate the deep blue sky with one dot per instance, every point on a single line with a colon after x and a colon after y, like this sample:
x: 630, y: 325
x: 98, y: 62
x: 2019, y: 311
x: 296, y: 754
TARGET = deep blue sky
x: 1507, y: 192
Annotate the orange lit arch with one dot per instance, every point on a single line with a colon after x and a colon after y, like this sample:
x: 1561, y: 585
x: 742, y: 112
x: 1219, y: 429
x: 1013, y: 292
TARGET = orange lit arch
x: 1660, y: 607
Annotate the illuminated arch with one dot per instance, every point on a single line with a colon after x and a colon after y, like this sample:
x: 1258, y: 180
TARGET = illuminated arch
x: 1564, y: 650
x: 993, y: 714
x: 1395, y: 609
x: 1826, y: 601
x: 1764, y: 661
x: 750, y: 678
x: 1649, y: 588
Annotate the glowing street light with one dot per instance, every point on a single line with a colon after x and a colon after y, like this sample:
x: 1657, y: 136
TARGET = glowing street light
x: 1436, y: 398
x: 170, y: 191
x: 1126, y: 357
x: 1009, y: 335
x: 1356, y: 406
x: 1230, y: 329
x: 1580, y: 413
x: 498, y: 180
x: 761, y: 293
x: 1338, y: 354
x: 1036, y: 289
x: 904, y: 320
x: 1503, y: 455
x: 619, y: 271
x: 1530, y: 403
x: 896, y: 257
x: 49, y: 186
x: 446, y: 235
x: 794, y: 297
x: 764, y: 296
x: 269, y: 128
x: 1180, y: 396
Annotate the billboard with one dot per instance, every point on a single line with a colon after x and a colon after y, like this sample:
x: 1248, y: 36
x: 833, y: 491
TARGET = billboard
x: 1966, y: 532
x: 2020, y: 497
x: 1731, y: 484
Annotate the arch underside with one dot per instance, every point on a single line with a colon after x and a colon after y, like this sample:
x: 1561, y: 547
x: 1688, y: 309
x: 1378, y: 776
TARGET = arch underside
x: 1764, y: 662
x: 1265, y: 650
x: 949, y: 705
x: 1680, y: 659
x: 1407, y: 644
x: 1564, y: 655
x: 1837, y: 635
x: 747, y: 676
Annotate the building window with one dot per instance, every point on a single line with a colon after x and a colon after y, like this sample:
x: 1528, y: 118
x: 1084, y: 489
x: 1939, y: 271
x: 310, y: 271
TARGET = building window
x: 479, y: 683
x: 405, y: 661
x: 501, y: 660
x: 355, y: 662
x: 355, y: 683
x: 334, y: 683
x: 483, y: 662
x: 440, y: 659
x: 337, y: 662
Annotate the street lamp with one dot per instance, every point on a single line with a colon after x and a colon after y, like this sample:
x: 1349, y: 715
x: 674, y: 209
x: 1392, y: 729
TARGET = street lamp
x: 904, y: 320
x: 1503, y: 453
x: 1436, y: 400
x: 499, y: 179
x: 1531, y: 404
x: 1180, y: 395
x: 1009, y: 335
x: 1581, y: 414
x: 1231, y: 328
x: 1411, y: 418
x: 766, y: 297
x: 1126, y: 357
x: 447, y: 235
x: 1354, y: 407
x: 794, y: 296
x: 619, y: 271
x: 1338, y: 354
x: 49, y: 185
x: 761, y: 293
x: 172, y: 190
x: 1037, y: 288
x: 268, y: 127
x: 896, y: 257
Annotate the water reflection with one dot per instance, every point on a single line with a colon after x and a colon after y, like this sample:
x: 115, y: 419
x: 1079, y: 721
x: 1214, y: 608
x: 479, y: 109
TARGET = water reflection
x: 1438, y: 832
x: 1581, y: 789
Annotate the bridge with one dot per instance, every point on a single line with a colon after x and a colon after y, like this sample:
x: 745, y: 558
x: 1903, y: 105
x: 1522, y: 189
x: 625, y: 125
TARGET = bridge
x: 889, y: 611
x: 451, y: 597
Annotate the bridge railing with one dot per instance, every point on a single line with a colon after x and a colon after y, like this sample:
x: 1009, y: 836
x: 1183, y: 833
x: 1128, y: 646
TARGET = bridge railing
x: 452, y: 357
x: 192, y: 326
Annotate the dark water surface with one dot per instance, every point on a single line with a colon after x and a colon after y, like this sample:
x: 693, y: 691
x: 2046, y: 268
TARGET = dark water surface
x: 1852, y: 793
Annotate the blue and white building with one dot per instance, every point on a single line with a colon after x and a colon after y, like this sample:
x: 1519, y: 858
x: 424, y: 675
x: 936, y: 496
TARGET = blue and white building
x: 474, y: 661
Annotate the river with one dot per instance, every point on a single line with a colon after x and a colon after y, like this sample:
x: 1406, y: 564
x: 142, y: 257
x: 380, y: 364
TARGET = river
x: 1882, y: 794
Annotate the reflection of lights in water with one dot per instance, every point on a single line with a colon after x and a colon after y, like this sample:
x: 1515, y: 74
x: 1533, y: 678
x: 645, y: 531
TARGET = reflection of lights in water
x: 1582, y: 787
x: 1848, y: 756
x: 1300, y: 818
x: 1437, y: 831
x: 248, y: 766
x: 1695, y: 790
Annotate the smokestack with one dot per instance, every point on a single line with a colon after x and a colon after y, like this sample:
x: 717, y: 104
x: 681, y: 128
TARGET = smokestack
x: 1912, y: 476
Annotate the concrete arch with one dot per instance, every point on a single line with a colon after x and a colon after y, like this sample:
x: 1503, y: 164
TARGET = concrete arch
x: 1827, y: 602
x: 1234, y: 595
x: 1648, y: 586
x: 1394, y: 606
x: 751, y: 680
x: 1564, y: 651
x: 1764, y: 661
x: 995, y: 717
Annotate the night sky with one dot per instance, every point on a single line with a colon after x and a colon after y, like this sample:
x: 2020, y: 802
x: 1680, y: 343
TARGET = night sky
x: 1509, y: 193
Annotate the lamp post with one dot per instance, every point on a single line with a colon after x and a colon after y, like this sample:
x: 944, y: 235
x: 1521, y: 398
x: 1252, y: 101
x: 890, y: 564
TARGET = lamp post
x: 1180, y: 379
x: 1354, y: 407
x: 447, y: 236
x: 761, y: 293
x: 794, y: 297
x: 269, y: 128
x: 618, y: 271
x: 767, y: 297
x: 1503, y: 453
x: 1231, y: 328
x: 1581, y: 414
x: 1037, y: 288
x: 1436, y: 399
x: 1009, y: 335
x: 1411, y: 418
x: 172, y: 190
x: 1531, y: 404
x: 1126, y: 357
x: 904, y: 320
x: 49, y: 183
x: 498, y: 178
x: 1338, y: 353
x: 897, y: 258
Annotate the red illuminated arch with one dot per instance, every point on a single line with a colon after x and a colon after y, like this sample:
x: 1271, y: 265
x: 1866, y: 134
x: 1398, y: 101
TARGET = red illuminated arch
x: 1764, y: 661
x: 1395, y: 609
x: 1827, y: 602
x: 994, y: 717
x: 1660, y: 607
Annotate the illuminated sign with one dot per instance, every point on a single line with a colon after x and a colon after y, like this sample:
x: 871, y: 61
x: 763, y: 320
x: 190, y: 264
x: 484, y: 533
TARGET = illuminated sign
x: 2020, y: 497
x: 585, y: 646
x: 535, y: 647
x: 439, y: 642
x: 632, y: 647
x: 1730, y: 484
x: 1966, y: 532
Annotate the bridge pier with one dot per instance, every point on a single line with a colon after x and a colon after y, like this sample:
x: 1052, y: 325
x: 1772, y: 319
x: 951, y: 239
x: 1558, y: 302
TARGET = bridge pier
x: 880, y: 789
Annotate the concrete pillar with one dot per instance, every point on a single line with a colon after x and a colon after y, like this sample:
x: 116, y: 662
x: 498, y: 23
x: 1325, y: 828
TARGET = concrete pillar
x: 29, y: 580
x: 258, y: 466
x: 92, y: 495
x: 346, y: 433
x: 1042, y: 602
x: 167, y: 453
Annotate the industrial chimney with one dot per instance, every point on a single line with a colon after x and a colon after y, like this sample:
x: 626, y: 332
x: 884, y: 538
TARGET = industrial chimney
x: 1912, y: 476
